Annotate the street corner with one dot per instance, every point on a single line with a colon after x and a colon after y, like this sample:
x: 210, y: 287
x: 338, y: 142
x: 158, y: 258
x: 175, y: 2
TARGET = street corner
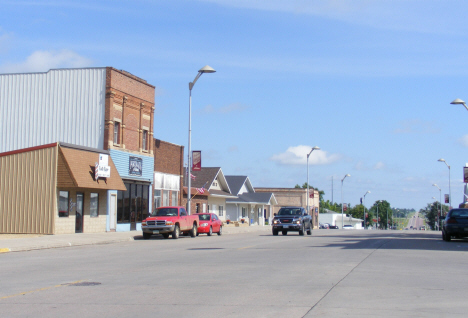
x: 4, y: 250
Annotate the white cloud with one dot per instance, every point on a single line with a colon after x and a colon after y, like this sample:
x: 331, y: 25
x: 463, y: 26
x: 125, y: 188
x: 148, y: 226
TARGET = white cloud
x: 298, y: 156
x: 403, y: 15
x: 5, y: 38
x: 464, y: 141
x: 42, y: 61
x: 361, y: 166
x: 416, y: 126
x: 379, y: 166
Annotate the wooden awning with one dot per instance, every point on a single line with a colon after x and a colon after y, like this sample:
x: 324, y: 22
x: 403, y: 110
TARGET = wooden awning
x: 76, y: 170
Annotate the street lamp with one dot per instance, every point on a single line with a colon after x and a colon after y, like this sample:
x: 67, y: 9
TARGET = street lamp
x: 314, y: 148
x: 450, y: 191
x: 365, y: 209
x: 205, y: 69
x: 440, y: 202
x: 378, y: 214
x: 342, y: 220
x: 458, y: 101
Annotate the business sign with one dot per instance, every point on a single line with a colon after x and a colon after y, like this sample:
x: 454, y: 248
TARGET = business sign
x: 135, y: 166
x: 101, y: 168
x: 196, y: 160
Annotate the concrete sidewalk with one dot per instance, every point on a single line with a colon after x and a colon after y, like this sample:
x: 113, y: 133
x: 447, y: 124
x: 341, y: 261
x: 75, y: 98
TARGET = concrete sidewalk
x: 29, y: 242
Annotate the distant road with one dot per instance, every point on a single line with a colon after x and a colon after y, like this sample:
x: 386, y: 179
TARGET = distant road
x: 415, y: 222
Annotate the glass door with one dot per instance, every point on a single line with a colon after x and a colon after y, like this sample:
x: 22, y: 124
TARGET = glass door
x: 79, y: 213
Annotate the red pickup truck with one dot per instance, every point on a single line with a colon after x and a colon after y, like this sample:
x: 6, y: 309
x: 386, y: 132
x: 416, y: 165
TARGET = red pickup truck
x: 170, y: 220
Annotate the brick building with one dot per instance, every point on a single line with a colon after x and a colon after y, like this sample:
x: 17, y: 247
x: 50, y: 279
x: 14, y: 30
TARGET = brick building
x: 99, y: 109
x: 168, y: 173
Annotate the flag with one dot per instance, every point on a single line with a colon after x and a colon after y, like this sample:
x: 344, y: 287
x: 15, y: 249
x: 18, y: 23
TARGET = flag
x: 192, y: 176
x: 201, y: 190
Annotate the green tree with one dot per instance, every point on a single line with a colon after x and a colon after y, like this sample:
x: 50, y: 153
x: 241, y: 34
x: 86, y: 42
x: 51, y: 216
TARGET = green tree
x: 379, y: 214
x: 431, y: 213
x: 304, y: 186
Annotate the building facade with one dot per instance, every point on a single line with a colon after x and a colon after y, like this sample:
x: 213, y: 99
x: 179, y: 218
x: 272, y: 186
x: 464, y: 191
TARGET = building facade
x: 100, y: 108
x: 294, y: 197
x: 54, y: 189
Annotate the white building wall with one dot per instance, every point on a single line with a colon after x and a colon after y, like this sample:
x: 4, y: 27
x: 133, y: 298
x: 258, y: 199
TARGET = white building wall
x: 61, y: 105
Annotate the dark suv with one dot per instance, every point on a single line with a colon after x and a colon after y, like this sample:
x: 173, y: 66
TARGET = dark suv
x: 455, y: 225
x: 292, y: 218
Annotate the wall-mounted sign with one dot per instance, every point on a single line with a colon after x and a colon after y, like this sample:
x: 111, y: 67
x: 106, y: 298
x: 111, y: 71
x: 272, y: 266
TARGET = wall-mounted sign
x: 102, y: 169
x: 135, y: 167
x: 196, y: 160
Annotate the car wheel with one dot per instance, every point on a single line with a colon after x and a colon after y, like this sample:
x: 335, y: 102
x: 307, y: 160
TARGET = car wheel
x: 210, y: 231
x: 301, y: 231
x: 309, y: 231
x: 284, y: 232
x: 176, y: 232
x: 193, y: 231
x: 448, y: 238
x: 220, y: 231
x: 146, y: 236
x: 275, y: 232
x: 165, y: 235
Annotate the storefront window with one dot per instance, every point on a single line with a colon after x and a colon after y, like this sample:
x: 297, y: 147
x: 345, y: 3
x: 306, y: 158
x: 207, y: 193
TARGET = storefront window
x: 157, y: 199
x: 165, y: 198
x: 132, y: 205
x: 63, y: 206
x: 174, y: 198
x: 94, y: 205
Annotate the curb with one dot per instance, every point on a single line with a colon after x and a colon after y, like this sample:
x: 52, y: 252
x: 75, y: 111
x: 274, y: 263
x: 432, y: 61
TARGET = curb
x: 32, y: 244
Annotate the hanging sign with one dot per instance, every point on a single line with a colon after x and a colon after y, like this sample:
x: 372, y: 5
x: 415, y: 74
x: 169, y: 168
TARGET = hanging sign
x: 103, y: 168
x: 196, y: 160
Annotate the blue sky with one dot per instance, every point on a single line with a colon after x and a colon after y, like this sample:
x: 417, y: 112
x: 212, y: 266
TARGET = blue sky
x: 368, y: 81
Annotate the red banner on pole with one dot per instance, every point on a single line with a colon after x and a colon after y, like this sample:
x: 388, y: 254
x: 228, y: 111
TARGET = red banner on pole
x: 196, y: 160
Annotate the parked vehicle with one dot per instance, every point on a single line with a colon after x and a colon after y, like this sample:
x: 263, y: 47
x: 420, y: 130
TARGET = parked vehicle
x: 348, y: 227
x: 209, y: 224
x: 170, y: 220
x: 333, y: 227
x: 455, y: 225
x: 292, y: 218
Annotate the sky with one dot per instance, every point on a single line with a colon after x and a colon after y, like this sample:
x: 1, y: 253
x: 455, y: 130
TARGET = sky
x: 368, y: 81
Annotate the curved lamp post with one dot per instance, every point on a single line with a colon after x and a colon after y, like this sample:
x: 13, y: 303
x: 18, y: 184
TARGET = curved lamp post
x: 308, y: 155
x: 365, y: 209
x: 342, y: 219
x: 450, y: 192
x: 205, y: 69
x: 440, y: 202
x: 458, y: 101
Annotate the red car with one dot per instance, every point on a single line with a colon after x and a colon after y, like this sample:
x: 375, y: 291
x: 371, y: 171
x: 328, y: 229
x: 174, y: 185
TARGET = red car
x: 209, y: 224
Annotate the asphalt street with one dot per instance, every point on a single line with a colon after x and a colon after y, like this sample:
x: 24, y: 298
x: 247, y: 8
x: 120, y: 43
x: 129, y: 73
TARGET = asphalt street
x: 333, y: 273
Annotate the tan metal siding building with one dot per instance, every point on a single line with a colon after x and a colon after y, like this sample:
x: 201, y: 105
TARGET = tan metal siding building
x: 31, y: 180
x: 28, y: 190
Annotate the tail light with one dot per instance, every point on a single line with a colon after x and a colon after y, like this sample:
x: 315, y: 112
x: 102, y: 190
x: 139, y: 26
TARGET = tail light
x: 451, y: 221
